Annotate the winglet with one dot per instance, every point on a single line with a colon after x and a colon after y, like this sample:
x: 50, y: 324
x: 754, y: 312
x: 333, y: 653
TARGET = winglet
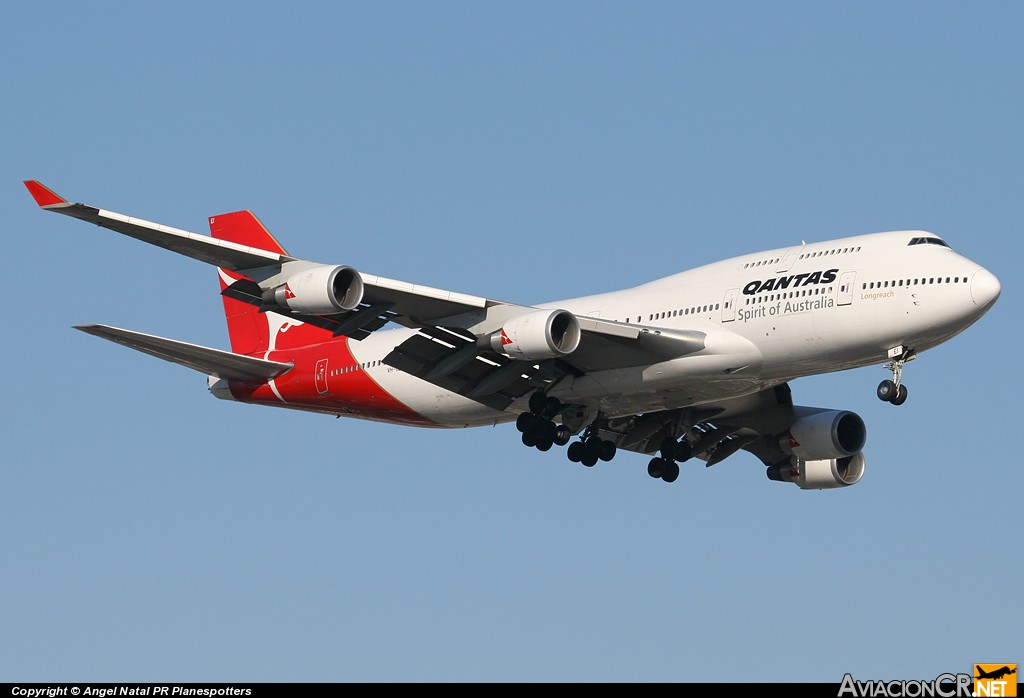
x: 43, y: 195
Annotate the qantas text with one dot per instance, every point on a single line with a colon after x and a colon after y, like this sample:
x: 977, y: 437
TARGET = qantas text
x: 793, y: 281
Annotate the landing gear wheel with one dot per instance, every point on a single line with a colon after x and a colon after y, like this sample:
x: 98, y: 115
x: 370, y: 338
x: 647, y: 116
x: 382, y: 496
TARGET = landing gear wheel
x: 524, y: 421
x: 901, y: 395
x: 544, y: 445
x: 684, y: 451
x: 589, y: 461
x: 576, y: 452
x: 607, y: 451
x: 656, y: 467
x: 886, y: 391
x: 671, y: 472
x: 592, y: 448
x: 538, y: 431
x: 893, y: 390
x: 562, y: 436
x: 529, y: 439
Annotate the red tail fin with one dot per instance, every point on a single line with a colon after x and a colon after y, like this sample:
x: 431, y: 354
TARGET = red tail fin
x: 248, y: 329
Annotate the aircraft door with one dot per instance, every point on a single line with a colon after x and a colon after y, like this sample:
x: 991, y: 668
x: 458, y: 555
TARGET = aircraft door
x: 846, y: 282
x: 729, y: 305
x: 320, y: 376
x: 788, y: 260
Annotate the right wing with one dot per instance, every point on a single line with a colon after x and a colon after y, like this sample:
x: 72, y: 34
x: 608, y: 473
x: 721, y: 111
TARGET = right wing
x: 714, y: 430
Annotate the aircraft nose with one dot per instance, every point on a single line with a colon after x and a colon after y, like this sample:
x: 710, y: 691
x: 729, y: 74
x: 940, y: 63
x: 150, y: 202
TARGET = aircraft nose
x: 985, y: 288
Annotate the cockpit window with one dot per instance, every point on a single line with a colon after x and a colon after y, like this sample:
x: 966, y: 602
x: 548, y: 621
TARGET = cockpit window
x: 928, y: 241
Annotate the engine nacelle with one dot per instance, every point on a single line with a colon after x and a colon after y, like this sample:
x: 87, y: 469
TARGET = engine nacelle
x: 541, y: 334
x: 825, y: 435
x: 320, y: 290
x: 819, y: 474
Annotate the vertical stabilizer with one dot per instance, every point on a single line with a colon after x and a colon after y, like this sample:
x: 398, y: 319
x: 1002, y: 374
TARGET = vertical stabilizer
x: 248, y: 328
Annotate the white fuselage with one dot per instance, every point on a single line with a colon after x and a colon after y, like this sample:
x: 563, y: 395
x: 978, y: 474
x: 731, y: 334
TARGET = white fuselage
x: 769, y: 317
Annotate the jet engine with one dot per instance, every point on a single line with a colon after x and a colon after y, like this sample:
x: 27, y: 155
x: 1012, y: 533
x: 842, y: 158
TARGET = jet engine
x: 541, y: 334
x: 819, y: 474
x: 825, y: 435
x: 319, y: 290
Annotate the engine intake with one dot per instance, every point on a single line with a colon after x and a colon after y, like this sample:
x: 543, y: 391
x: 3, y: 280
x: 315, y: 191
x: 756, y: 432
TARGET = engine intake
x: 321, y: 290
x: 541, y: 334
x: 819, y: 474
x: 825, y: 435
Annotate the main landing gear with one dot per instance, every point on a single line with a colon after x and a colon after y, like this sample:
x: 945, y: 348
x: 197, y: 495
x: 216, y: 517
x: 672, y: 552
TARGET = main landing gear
x: 540, y: 431
x: 591, y: 449
x: 537, y: 427
x: 893, y: 390
x: 666, y: 465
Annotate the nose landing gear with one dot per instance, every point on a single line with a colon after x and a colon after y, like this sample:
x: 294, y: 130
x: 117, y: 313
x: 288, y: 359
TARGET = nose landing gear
x: 893, y: 390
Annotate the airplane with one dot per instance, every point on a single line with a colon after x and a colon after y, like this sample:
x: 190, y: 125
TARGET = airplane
x: 695, y: 365
x: 997, y: 674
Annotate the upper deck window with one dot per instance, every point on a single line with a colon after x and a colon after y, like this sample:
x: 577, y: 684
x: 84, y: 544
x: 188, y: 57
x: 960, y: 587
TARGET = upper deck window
x: 928, y: 241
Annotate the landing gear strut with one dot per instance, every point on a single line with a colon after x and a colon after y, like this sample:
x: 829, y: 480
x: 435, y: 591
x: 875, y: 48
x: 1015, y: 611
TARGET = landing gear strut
x: 893, y: 390
x: 666, y: 465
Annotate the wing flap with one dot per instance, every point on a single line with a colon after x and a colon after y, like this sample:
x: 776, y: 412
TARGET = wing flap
x: 421, y: 304
x: 608, y: 345
x: 213, y: 362
x: 480, y: 375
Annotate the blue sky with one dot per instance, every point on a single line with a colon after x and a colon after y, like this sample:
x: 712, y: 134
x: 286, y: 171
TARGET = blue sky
x: 528, y: 152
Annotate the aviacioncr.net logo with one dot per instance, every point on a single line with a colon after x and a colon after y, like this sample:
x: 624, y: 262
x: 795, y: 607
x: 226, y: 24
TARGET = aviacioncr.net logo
x: 943, y: 686
x: 995, y: 680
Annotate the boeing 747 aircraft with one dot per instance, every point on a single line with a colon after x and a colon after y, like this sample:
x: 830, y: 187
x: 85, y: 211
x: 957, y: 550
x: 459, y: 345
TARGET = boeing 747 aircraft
x: 694, y: 365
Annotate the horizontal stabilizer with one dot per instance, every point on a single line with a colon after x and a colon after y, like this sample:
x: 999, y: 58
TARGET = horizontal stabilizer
x: 213, y: 362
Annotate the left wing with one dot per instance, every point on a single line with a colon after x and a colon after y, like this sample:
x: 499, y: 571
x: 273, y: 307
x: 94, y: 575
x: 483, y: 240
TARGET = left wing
x: 414, y: 304
x: 456, y: 346
x: 201, y: 247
